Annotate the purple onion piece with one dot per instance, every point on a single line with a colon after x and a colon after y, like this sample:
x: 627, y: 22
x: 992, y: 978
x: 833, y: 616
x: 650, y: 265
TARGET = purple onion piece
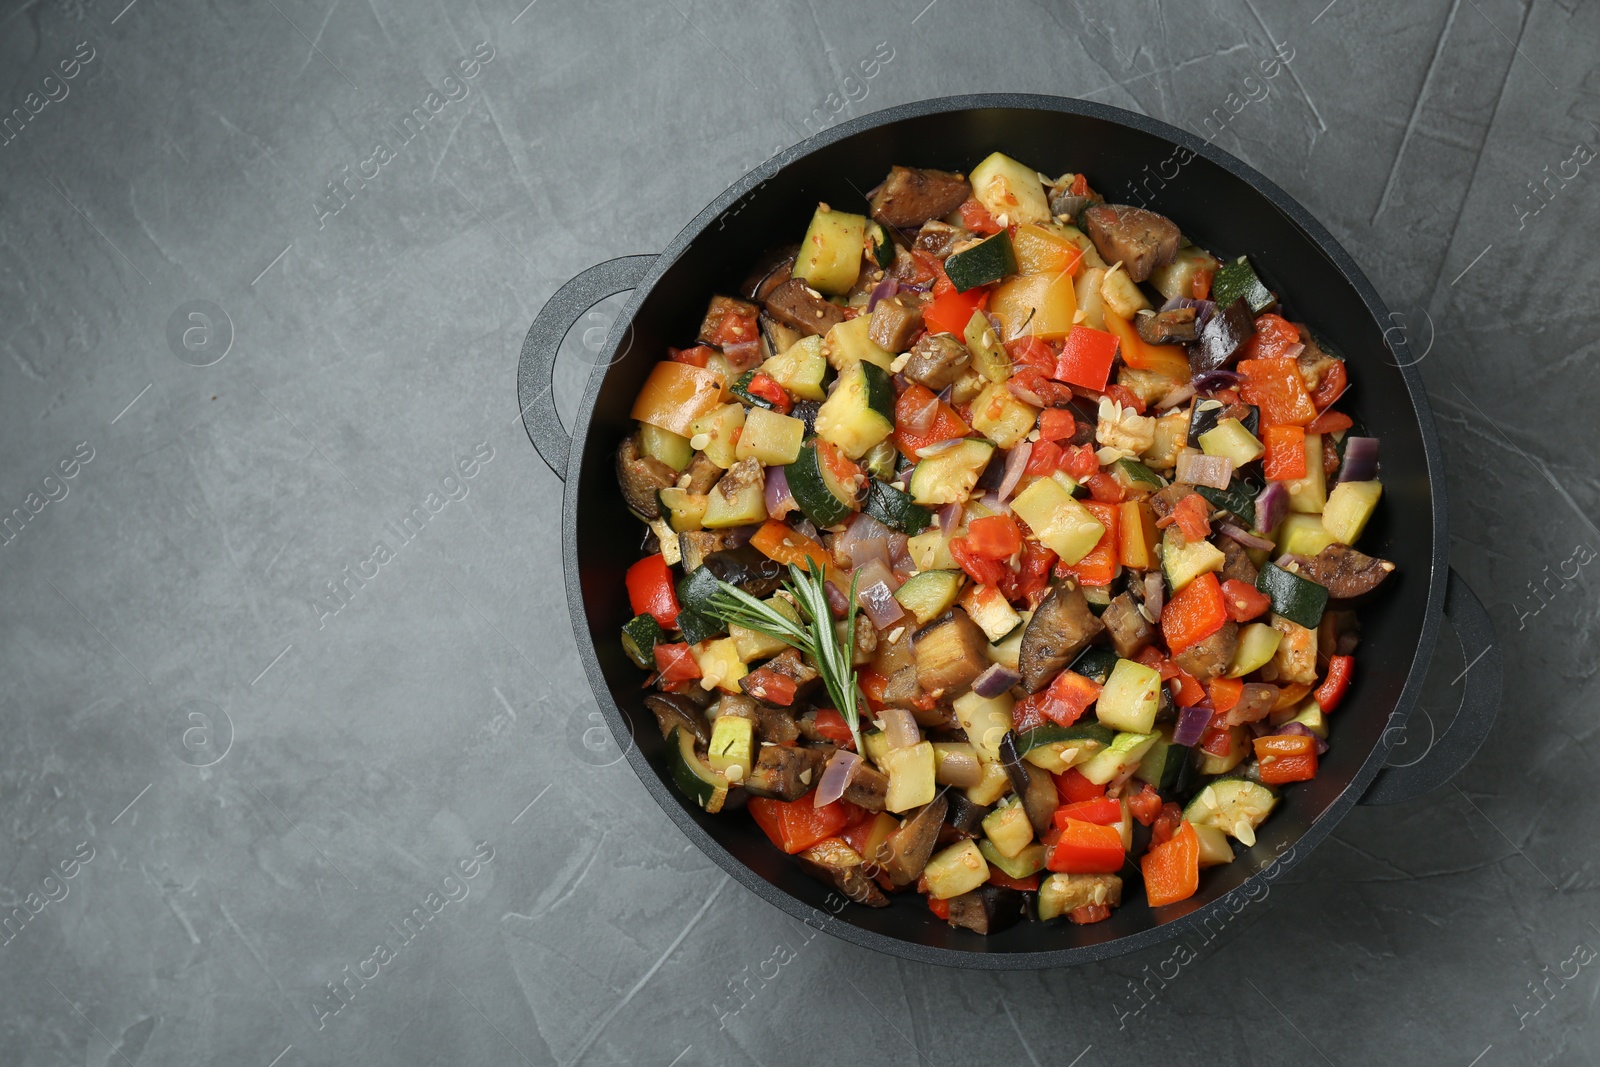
x: 938, y: 447
x: 1203, y: 309
x: 949, y: 516
x: 997, y: 678
x: 1180, y: 395
x: 1016, y: 465
x: 882, y: 291
x: 920, y: 420
x: 878, y: 602
x: 836, y: 776
x: 837, y: 603
x: 1272, y: 504
x: 805, y: 526
x: 1248, y: 540
x: 917, y: 287
x: 1155, y: 594
x: 1192, y: 723
x: 1360, y: 459
x: 1304, y: 731
x: 900, y: 726
x: 780, y: 501
x: 947, y: 393
x: 1221, y: 378
x: 1200, y: 469
x: 863, y: 539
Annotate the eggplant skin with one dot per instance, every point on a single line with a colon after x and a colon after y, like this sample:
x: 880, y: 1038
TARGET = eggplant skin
x: 1142, y: 240
x: 1346, y: 572
x: 910, y: 196
x: 1062, y: 627
x: 798, y: 307
x: 988, y: 909
x: 905, y: 853
x: 834, y: 862
x: 1208, y: 659
x: 642, y: 477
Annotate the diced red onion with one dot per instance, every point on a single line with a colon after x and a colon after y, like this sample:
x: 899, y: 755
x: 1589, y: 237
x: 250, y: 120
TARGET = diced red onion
x: 1360, y: 459
x: 1272, y: 504
x: 960, y: 769
x: 836, y: 776
x: 864, y: 538
x: 837, y: 603
x: 1221, y: 378
x: 878, y: 602
x: 738, y: 536
x: 1291, y: 561
x: 948, y: 393
x: 1016, y: 465
x: 882, y: 291
x: 937, y: 447
x: 1023, y: 393
x: 1180, y: 395
x: 780, y: 501
x: 900, y: 726
x: 1248, y: 540
x: 949, y: 517
x: 743, y: 355
x: 997, y: 678
x: 873, y: 571
x: 917, y: 287
x: 1304, y: 731
x: 1197, y: 468
x: 1192, y: 723
x: 1203, y: 309
x: 920, y: 420
x: 1292, y: 351
x: 1155, y: 594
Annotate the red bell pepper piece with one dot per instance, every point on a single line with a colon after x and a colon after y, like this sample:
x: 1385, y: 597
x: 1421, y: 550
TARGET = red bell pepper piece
x: 1072, y: 786
x: 1086, y: 358
x: 767, y: 388
x: 650, y: 590
x: 1145, y: 805
x: 1333, y: 384
x: 951, y: 311
x: 947, y: 425
x: 1330, y: 422
x: 698, y: 356
x: 1172, y: 869
x: 939, y: 907
x: 1100, y: 810
x: 768, y: 685
x: 1084, y: 848
x: 1286, y: 453
x: 1286, y: 758
x: 980, y: 569
x: 1332, y: 689
x: 1200, y: 284
x: 1274, y: 336
x: 831, y: 725
x: 1186, y: 690
x: 1068, y: 697
x: 1192, y: 516
x: 994, y: 537
x: 1225, y: 693
x: 676, y: 663
x: 796, y: 825
x: 1197, y: 611
x: 1275, y: 386
x: 1245, y: 601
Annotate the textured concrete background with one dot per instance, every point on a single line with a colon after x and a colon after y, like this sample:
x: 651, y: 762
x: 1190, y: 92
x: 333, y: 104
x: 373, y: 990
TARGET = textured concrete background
x: 252, y: 382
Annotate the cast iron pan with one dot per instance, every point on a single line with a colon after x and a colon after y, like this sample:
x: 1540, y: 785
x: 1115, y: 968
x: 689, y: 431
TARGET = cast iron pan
x: 1221, y: 204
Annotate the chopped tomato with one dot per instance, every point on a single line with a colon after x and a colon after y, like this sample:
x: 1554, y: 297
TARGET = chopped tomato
x: 1225, y: 693
x: 1330, y: 422
x: 994, y: 537
x: 1151, y: 657
x: 1072, y: 786
x: 976, y: 217
x: 698, y: 356
x: 1245, y: 602
x: 1166, y: 823
x: 1028, y: 713
x: 1200, y: 284
x: 768, y: 685
x: 1274, y: 336
x: 1079, y: 186
x: 1056, y: 424
x: 650, y: 590
x: 796, y: 825
x: 1194, y: 613
x: 939, y: 907
x: 1333, y: 688
x: 1286, y: 758
x: 767, y: 388
x: 949, y: 312
x: 676, y: 663
x: 1101, y: 565
x: 1080, y: 847
x: 1031, y: 351
x: 1172, y: 869
x: 734, y: 328
x: 1104, y: 488
x: 947, y: 425
x: 831, y: 725
x: 1332, y: 385
x: 1078, y: 461
x: 1217, y: 741
x: 1086, y: 357
x: 873, y: 685
x: 1068, y: 697
x: 980, y: 569
x: 1286, y: 453
x: 1044, y: 458
x: 1030, y: 582
x: 1101, y: 810
x: 1125, y: 396
x: 1192, y: 516
x: 1274, y: 385
x: 1005, y: 881
x: 1145, y: 805
x: 1087, y: 914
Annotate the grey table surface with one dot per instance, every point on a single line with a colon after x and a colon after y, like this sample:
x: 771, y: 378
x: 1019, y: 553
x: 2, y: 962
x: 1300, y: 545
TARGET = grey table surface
x: 252, y: 381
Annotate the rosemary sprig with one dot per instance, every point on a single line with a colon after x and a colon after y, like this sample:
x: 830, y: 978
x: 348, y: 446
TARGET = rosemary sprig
x: 814, y: 636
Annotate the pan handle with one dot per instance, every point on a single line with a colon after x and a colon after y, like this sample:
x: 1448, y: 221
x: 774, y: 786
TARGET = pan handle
x: 536, y: 368
x: 1480, y: 701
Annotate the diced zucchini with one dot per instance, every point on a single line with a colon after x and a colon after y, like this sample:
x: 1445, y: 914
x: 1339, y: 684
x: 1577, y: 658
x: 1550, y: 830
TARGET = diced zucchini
x: 849, y: 343
x: 1304, y: 535
x: 829, y: 259
x: 860, y: 412
x: 989, y: 608
x: 1229, y: 438
x: 895, y: 509
x: 882, y: 460
x: 987, y: 261
x: 1171, y: 435
x: 682, y: 509
x: 732, y: 741
x: 1297, y: 599
x: 719, y: 663
x: 1182, y: 562
x: 1122, y: 756
x: 1235, y: 806
x: 875, y: 746
x: 1009, y: 188
x: 1309, y: 495
x: 929, y: 594
x: 738, y: 498
x: 1008, y: 651
x: 1121, y: 294
x: 1008, y: 829
x: 691, y: 774
x: 1029, y: 861
x: 1238, y: 747
x: 1238, y: 279
x: 1164, y: 762
x: 1061, y: 893
x: 996, y: 783
x: 716, y: 433
x: 800, y: 369
x: 986, y: 721
x: 754, y: 645
x: 880, y: 244
x: 1055, y: 748
x: 911, y: 776
x: 1086, y: 294
x: 1178, y: 277
x: 1131, y: 474
x: 1257, y: 644
x: 640, y: 635
x: 1131, y: 698
x: 930, y: 551
x: 948, y: 476
x: 1002, y: 417
x: 822, y: 497
x: 1058, y: 521
x: 1349, y: 507
x: 959, y: 869
x: 989, y: 357
x: 1214, y: 847
x: 772, y: 439
x: 670, y: 448
x: 694, y: 591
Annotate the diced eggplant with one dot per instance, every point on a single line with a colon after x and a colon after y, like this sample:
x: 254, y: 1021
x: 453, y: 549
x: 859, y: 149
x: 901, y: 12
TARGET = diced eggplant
x: 965, y: 816
x: 1175, y: 327
x: 905, y: 852
x: 1207, y: 659
x: 799, y: 307
x: 1313, y: 362
x: 951, y: 652
x: 721, y: 308
x: 1061, y: 627
x: 1346, y: 572
x: 789, y: 662
x: 746, y: 567
x: 910, y: 196
x: 1225, y: 334
x: 703, y: 474
x: 775, y: 724
x: 1040, y: 799
x: 672, y: 710
x: 642, y: 477
x: 1065, y: 203
x: 785, y: 772
x: 902, y: 689
x: 1011, y: 760
x: 806, y: 412
x: 937, y: 360
x: 1236, y: 562
x: 895, y: 322
x: 834, y: 862
x: 695, y: 545
x: 1141, y: 239
x: 868, y: 788
x: 938, y: 238
x: 987, y: 909
x: 1165, y: 500
x: 771, y: 270
x: 1130, y: 631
